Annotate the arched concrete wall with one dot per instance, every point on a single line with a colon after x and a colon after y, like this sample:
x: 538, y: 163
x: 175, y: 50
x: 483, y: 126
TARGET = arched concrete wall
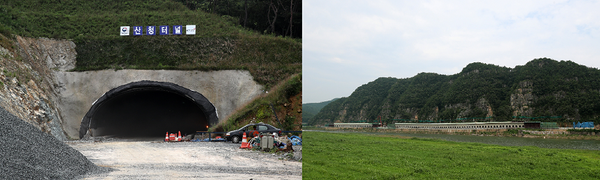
x: 205, y: 105
x: 227, y: 89
x: 353, y: 125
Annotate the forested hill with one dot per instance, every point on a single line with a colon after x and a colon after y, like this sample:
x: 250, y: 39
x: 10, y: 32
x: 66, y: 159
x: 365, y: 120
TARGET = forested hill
x: 541, y: 90
x: 309, y: 110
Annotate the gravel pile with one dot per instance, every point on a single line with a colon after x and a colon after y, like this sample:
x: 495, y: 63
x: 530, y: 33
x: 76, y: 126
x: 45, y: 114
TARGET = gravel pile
x: 28, y: 153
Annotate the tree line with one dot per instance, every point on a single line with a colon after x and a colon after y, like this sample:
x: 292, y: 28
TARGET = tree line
x: 279, y: 17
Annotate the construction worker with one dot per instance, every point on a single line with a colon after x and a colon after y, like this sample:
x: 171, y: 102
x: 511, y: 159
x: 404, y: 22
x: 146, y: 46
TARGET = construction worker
x: 255, y: 132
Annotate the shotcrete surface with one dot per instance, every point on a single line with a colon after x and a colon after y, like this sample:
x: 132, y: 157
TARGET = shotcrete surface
x: 77, y: 91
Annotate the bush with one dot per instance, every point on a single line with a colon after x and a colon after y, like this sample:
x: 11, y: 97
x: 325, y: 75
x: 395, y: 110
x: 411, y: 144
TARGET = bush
x: 584, y: 130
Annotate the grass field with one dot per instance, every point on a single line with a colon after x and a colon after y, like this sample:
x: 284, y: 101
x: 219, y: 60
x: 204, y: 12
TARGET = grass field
x: 359, y: 156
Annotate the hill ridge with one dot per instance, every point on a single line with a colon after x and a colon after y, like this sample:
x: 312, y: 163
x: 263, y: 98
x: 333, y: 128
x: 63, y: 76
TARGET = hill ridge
x: 543, y: 88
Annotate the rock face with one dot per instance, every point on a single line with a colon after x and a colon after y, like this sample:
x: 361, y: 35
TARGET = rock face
x: 37, y: 87
x: 27, y: 79
x: 522, y: 99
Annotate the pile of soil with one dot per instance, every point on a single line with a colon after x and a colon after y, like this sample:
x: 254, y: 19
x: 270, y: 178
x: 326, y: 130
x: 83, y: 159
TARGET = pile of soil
x: 28, y: 153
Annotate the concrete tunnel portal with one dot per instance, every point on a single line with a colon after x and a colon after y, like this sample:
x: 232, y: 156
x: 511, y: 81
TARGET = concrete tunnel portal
x: 148, y: 109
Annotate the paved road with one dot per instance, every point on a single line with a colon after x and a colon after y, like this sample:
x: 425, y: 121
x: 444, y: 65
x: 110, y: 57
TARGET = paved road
x: 184, y: 160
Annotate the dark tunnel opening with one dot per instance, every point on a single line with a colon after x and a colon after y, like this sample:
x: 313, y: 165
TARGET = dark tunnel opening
x: 147, y: 112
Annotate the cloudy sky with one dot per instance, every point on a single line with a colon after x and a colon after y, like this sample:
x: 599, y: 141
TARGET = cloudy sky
x: 349, y: 43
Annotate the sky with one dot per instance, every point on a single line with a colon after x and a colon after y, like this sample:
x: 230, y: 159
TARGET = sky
x: 350, y: 43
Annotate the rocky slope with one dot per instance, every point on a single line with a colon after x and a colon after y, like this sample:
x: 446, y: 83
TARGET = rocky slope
x: 27, y: 83
x: 543, y: 89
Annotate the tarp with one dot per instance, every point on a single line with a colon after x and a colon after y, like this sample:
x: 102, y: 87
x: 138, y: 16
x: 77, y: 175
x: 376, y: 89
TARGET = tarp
x: 296, y: 141
x: 583, y: 125
x: 205, y: 105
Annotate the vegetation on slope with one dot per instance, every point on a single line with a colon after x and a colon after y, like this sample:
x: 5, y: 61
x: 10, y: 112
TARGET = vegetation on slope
x: 281, y: 17
x: 94, y: 25
x: 12, y: 64
x: 558, y: 91
x: 68, y: 19
x: 269, y: 59
x: 563, y: 88
x: 285, y: 98
x: 359, y: 156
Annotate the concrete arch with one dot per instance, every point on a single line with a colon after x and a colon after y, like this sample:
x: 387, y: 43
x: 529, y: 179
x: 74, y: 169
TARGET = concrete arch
x: 208, y: 110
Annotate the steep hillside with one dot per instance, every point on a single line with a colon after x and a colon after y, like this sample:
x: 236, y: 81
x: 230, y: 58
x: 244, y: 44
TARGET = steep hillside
x: 309, y: 110
x: 281, y: 107
x: 94, y: 27
x: 26, y: 84
x: 541, y: 90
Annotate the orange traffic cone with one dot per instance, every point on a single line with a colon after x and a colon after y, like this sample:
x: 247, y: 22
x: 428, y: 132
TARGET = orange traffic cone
x: 244, y: 142
x: 172, y: 137
x: 179, y: 136
x: 167, y: 137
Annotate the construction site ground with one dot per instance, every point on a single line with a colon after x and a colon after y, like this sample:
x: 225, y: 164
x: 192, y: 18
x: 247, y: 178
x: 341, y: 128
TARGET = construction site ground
x: 185, y: 160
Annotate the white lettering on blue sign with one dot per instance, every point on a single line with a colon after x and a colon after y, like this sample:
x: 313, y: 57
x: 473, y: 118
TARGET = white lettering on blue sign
x: 177, y: 29
x: 150, y: 30
x: 164, y: 30
x: 137, y: 30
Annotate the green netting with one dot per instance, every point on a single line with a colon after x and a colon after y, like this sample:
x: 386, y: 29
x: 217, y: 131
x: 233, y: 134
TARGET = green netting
x: 549, y: 125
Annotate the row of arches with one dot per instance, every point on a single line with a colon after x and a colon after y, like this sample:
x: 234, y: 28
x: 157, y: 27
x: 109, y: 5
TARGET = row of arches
x: 352, y: 125
x: 459, y: 126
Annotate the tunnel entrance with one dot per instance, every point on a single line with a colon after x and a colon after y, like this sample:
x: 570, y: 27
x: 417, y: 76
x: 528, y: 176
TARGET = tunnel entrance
x: 147, y: 112
x: 148, y: 109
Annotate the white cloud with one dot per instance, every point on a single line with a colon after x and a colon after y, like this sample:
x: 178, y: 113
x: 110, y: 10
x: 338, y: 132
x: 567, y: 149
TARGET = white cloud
x: 355, y: 40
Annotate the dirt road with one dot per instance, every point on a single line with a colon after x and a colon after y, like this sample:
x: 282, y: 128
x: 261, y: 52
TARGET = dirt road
x: 184, y: 160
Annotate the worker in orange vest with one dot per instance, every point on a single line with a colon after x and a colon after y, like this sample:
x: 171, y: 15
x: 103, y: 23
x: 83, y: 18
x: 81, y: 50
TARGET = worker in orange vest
x: 255, y: 132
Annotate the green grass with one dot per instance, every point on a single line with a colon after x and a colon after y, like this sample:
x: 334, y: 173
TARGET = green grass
x: 69, y: 19
x: 269, y: 59
x: 219, y: 43
x: 358, y: 156
x: 584, y: 130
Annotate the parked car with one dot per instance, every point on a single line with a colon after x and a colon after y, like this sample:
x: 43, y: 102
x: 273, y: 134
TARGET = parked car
x: 235, y: 136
